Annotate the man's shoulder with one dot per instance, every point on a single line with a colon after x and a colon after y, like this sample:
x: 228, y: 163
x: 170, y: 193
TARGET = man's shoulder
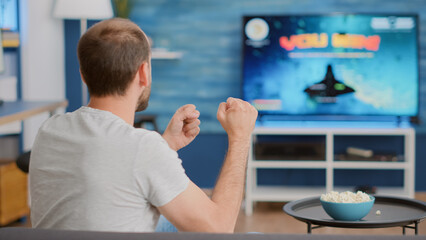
x: 82, y: 123
x: 82, y: 117
x: 149, y: 137
x: 55, y: 119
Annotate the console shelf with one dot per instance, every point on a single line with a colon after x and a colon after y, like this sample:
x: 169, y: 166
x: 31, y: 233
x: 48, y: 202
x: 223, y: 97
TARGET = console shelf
x: 288, y: 164
x: 255, y: 193
x: 370, y: 165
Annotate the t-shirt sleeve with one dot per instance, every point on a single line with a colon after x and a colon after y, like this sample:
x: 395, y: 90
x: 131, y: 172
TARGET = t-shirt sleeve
x: 159, y: 171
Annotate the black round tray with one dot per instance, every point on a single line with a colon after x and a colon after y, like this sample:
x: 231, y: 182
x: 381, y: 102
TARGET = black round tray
x: 394, y: 212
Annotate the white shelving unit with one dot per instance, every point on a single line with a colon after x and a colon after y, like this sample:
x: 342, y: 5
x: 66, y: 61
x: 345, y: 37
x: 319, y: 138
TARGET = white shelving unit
x: 9, y: 78
x: 256, y: 193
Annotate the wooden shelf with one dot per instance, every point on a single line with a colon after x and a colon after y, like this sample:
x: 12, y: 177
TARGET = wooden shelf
x: 160, y: 53
x: 289, y: 164
x: 10, y: 43
x: 370, y: 165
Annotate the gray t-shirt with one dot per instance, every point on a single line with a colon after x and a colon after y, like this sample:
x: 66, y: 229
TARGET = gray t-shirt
x: 90, y: 170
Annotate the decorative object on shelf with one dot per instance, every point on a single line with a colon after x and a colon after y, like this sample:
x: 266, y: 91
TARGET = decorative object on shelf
x: 83, y: 10
x: 359, y: 152
x: 122, y: 8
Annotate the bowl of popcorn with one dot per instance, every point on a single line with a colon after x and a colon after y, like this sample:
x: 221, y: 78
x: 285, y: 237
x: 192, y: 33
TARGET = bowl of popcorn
x: 347, y: 206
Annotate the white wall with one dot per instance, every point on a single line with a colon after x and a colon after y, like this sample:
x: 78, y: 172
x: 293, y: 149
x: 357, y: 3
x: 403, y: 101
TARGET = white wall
x: 42, y: 59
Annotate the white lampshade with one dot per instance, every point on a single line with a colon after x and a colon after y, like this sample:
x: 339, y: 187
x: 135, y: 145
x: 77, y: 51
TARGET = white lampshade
x: 83, y: 9
x: 1, y: 54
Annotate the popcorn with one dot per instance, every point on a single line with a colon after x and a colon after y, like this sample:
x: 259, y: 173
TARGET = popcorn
x: 345, y: 197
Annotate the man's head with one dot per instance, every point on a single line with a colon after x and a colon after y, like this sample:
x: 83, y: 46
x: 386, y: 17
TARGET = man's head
x: 110, y: 54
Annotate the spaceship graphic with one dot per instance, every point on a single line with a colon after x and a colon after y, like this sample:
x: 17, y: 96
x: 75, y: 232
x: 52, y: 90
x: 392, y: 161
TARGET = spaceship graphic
x: 328, y: 89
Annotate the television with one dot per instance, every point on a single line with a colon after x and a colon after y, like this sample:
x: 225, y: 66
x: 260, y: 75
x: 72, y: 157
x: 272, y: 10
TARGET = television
x: 342, y: 66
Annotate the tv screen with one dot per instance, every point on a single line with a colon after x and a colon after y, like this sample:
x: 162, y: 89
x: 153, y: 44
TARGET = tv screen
x: 337, y: 64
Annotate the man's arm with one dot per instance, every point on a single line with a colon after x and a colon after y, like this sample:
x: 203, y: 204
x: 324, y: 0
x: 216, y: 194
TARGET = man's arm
x: 192, y: 210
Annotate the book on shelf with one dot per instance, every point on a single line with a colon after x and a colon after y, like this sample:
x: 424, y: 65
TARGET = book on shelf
x: 10, y: 38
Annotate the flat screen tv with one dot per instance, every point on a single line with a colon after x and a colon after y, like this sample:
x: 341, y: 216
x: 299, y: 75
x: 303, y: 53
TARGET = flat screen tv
x: 332, y: 65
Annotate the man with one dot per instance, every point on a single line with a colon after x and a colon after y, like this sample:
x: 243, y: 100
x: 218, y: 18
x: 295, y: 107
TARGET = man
x: 92, y: 170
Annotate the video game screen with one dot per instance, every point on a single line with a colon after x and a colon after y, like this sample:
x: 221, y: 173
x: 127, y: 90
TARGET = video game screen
x: 341, y: 64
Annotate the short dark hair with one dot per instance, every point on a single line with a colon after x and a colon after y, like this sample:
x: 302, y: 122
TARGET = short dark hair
x: 110, y: 54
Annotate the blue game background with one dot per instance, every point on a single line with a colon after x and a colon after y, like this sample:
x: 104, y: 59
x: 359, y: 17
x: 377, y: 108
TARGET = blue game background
x: 386, y: 84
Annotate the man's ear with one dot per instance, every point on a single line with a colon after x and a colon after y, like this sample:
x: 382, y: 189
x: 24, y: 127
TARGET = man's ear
x: 144, y: 74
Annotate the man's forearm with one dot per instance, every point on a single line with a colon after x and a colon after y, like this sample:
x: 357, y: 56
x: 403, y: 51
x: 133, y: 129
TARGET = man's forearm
x: 229, y: 188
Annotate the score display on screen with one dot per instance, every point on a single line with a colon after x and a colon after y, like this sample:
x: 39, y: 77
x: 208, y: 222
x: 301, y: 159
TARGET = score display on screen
x: 342, y: 64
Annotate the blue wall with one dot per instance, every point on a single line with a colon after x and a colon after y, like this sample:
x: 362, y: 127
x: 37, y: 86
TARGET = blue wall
x: 209, y: 34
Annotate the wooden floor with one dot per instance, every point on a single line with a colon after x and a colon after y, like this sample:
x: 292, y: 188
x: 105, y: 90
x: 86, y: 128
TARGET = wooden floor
x: 270, y: 218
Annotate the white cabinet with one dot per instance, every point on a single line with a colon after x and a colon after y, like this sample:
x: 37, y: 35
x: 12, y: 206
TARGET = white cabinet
x: 9, y: 82
x: 255, y: 192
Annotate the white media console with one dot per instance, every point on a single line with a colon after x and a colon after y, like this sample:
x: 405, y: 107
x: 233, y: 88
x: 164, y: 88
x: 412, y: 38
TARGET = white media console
x: 255, y: 193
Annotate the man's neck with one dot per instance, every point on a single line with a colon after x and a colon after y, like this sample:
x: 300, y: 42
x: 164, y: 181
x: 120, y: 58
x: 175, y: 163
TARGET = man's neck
x: 119, y: 106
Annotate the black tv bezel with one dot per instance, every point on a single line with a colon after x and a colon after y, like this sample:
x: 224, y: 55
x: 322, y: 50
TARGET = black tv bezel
x: 351, y: 117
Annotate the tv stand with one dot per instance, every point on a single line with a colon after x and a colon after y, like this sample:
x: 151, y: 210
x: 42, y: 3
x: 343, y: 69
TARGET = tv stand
x: 255, y: 192
x: 266, y: 119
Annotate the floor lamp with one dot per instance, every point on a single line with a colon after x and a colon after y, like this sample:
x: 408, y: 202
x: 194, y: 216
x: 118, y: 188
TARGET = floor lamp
x: 1, y: 60
x: 83, y: 10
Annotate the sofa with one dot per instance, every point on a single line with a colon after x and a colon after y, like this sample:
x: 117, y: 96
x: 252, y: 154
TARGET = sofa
x: 43, y: 234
